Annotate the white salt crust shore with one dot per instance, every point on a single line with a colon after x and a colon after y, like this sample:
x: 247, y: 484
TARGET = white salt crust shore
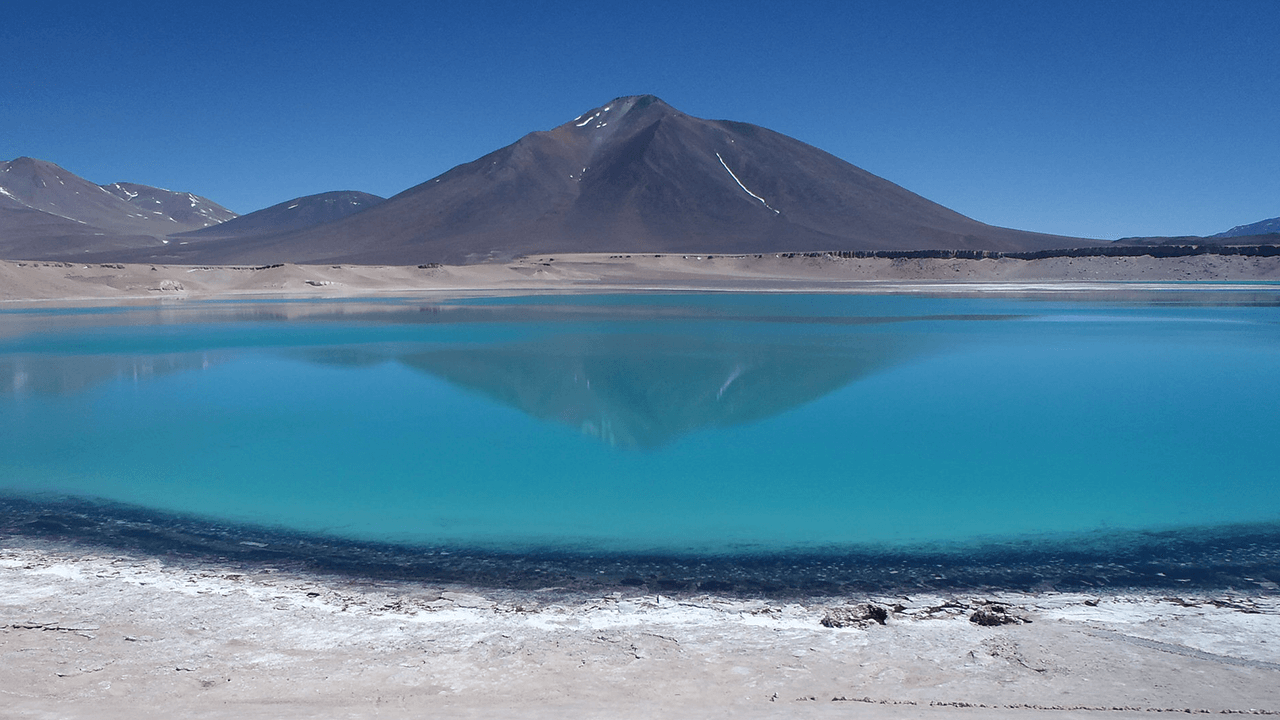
x: 106, y: 635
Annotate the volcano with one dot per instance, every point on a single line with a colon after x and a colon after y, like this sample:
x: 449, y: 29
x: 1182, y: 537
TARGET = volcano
x: 634, y: 175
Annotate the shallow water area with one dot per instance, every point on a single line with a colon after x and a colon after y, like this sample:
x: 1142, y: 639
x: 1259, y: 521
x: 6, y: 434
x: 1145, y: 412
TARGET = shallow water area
x: 678, y: 425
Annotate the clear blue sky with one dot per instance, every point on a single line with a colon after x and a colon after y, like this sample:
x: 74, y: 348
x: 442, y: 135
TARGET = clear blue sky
x: 1087, y: 118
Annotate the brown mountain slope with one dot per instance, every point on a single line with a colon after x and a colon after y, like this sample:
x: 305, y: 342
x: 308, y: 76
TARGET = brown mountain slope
x: 636, y: 175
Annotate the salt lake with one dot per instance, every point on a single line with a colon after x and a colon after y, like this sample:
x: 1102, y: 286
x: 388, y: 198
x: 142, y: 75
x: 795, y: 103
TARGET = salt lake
x: 685, y: 424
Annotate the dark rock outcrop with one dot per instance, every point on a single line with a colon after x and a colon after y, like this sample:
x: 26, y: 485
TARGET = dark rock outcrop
x: 861, y: 615
x: 994, y: 615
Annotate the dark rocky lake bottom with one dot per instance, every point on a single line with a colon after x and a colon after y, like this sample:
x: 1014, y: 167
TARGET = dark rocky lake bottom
x: 1242, y: 559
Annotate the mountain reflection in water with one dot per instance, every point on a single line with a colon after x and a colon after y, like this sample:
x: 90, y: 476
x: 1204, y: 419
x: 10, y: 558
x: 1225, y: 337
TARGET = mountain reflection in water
x: 73, y: 374
x: 634, y: 377
x: 646, y: 391
x: 682, y: 424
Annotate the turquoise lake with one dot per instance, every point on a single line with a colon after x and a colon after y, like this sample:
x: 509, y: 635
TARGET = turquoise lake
x: 681, y: 423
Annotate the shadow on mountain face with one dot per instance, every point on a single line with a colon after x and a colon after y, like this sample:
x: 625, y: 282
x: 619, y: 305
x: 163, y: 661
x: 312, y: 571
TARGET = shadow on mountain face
x: 646, y: 391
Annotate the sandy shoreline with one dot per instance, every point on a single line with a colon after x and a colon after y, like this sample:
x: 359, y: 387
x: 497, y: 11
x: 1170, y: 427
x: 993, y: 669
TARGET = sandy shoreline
x: 71, y: 282
x: 107, y: 634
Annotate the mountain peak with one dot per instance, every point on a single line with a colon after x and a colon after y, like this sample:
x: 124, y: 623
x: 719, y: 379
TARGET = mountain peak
x: 626, y: 106
x: 636, y: 175
x: 28, y: 164
x: 632, y: 175
x: 640, y: 102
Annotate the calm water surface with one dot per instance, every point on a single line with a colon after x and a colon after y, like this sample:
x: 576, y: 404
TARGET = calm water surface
x: 686, y: 423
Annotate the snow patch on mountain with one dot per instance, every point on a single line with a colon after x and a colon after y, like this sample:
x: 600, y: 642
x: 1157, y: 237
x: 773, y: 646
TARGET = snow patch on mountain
x: 1262, y: 227
x: 744, y: 187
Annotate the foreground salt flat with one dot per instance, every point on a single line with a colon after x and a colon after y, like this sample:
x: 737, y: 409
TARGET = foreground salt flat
x: 72, y: 282
x: 98, y: 634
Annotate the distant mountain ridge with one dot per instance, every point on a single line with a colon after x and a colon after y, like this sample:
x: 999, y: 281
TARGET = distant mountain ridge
x: 182, y: 207
x: 122, y: 207
x: 50, y: 213
x: 47, y: 211
x: 295, y: 214
x: 1262, y: 227
x: 633, y: 175
x: 1263, y: 232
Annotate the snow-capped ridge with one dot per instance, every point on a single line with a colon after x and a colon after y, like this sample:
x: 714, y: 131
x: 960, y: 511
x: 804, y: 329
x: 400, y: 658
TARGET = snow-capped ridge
x: 1262, y: 227
x: 618, y: 108
x: 48, y: 209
